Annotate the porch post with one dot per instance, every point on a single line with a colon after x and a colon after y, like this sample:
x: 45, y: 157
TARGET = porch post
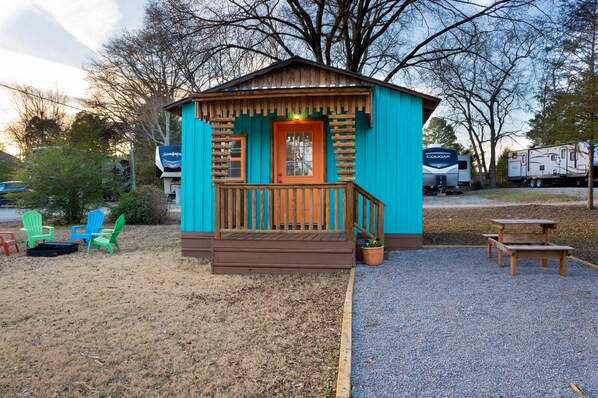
x: 343, y: 136
x: 222, y: 129
x: 218, y: 212
x: 349, y: 211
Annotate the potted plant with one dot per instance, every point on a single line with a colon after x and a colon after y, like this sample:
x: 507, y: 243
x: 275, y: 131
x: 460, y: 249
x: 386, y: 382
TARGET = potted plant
x: 373, y: 252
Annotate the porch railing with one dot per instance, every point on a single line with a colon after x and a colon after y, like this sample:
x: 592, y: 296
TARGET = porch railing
x: 328, y: 208
x: 368, y: 213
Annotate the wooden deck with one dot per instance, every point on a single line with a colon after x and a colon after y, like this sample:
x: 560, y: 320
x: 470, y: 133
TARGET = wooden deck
x: 285, y: 236
x: 287, y: 228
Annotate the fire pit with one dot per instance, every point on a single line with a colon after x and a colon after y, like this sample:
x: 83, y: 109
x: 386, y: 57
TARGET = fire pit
x: 53, y: 249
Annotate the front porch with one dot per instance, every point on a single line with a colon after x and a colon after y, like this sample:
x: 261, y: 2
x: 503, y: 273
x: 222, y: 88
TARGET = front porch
x: 283, y: 228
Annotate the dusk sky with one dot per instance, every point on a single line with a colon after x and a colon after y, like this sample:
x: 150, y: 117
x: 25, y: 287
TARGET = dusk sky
x: 45, y: 43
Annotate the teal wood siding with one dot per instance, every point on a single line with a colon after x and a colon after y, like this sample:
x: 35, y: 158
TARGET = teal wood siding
x: 389, y: 158
x: 197, y: 201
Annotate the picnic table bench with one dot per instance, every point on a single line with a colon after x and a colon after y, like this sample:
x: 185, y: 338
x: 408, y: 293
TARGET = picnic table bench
x: 526, y: 245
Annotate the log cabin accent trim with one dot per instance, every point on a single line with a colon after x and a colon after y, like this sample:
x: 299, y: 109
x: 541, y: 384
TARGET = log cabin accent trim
x: 343, y: 138
x: 222, y: 130
x: 281, y: 102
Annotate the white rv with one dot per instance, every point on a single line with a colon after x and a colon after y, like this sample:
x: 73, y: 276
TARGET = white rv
x: 464, y: 170
x: 168, y: 161
x: 555, y: 164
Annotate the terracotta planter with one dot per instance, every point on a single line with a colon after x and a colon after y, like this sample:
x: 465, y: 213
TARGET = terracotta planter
x: 373, y: 255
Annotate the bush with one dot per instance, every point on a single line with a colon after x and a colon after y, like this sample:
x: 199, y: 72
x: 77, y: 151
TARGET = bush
x: 145, y: 173
x: 476, y: 185
x: 66, y: 182
x: 147, y: 205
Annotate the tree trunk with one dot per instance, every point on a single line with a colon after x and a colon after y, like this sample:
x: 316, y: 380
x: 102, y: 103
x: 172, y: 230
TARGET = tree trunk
x: 133, y: 178
x: 590, y: 204
x: 167, y: 137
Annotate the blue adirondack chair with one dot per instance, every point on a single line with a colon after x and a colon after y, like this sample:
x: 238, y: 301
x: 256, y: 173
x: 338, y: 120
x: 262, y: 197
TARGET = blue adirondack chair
x: 95, y: 222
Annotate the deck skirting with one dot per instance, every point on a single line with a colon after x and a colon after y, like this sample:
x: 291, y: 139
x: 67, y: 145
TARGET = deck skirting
x: 287, y: 255
x: 197, y: 244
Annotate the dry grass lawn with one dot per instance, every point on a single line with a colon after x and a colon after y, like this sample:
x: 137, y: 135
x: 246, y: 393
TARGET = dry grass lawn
x: 149, y: 323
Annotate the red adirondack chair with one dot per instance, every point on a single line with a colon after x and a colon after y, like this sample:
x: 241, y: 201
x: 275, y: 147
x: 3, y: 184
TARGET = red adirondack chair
x: 6, y: 243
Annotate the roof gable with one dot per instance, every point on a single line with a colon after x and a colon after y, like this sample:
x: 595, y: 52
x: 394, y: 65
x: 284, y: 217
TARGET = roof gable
x: 292, y: 73
x: 300, y: 73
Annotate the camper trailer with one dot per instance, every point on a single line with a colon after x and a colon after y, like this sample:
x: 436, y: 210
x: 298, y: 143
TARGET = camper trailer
x: 168, y: 161
x: 440, y: 169
x: 464, y: 170
x: 554, y: 164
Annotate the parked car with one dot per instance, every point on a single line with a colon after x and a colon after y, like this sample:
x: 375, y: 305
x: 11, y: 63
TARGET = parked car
x: 11, y: 187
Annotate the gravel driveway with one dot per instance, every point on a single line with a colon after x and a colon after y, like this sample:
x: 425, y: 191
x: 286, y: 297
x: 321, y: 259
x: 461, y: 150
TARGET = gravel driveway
x: 450, y: 323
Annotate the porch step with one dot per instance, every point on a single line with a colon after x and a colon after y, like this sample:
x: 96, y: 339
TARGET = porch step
x: 260, y: 256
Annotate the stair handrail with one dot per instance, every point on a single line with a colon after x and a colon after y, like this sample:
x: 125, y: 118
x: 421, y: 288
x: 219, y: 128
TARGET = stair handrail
x: 376, y: 228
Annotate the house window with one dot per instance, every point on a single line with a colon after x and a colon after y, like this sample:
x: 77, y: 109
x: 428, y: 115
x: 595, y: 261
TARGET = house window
x: 237, y: 167
x: 299, y: 147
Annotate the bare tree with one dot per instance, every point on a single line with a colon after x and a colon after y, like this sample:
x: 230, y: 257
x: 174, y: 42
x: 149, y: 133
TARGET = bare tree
x: 485, y: 86
x: 380, y: 37
x: 40, y: 117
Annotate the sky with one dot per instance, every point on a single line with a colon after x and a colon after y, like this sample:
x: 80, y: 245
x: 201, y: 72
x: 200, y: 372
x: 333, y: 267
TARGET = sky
x: 46, y: 43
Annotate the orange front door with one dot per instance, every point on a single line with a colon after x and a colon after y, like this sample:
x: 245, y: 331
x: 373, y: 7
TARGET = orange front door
x: 298, y: 159
x: 299, y: 152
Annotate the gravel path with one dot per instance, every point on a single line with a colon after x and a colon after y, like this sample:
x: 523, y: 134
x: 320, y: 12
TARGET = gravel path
x: 450, y: 323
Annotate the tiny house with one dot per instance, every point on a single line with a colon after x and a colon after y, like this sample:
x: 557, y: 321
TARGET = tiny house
x: 288, y: 168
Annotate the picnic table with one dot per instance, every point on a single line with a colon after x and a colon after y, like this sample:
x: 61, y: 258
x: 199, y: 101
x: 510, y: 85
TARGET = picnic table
x: 526, y: 244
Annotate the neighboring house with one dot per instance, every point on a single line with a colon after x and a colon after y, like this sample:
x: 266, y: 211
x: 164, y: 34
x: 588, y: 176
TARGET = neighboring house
x: 285, y: 168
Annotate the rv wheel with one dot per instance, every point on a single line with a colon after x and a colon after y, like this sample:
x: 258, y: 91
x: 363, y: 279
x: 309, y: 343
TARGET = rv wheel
x: 539, y: 184
x: 532, y: 183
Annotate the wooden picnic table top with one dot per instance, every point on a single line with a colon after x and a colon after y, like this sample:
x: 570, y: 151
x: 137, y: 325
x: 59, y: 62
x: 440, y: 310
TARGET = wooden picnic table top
x: 523, y: 222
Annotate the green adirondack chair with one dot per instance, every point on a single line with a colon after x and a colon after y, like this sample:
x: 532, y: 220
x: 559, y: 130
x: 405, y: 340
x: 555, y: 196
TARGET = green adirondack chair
x: 107, y: 237
x: 32, y: 223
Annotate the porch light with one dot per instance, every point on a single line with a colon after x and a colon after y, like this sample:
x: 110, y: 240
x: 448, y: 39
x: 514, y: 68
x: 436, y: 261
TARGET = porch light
x: 296, y: 116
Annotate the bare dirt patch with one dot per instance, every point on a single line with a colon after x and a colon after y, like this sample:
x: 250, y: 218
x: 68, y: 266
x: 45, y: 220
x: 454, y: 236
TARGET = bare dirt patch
x: 462, y: 226
x: 147, y: 322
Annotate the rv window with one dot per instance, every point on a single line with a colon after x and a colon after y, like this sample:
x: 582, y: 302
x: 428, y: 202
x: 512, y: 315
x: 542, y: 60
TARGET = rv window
x: 572, y: 156
x: 541, y: 167
x: 553, y: 157
x: 514, y: 155
x: 564, y: 153
x: 237, y: 167
x: 523, y: 159
x: 462, y: 164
